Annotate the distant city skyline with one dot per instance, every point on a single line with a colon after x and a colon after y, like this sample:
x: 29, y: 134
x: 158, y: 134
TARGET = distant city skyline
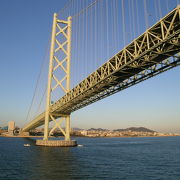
x: 25, y: 31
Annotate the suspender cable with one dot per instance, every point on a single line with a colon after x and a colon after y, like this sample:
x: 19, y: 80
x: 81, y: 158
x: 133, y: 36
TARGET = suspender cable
x: 159, y: 8
x: 167, y: 6
x: 146, y: 14
x: 38, y: 81
x: 78, y: 45
x: 77, y: 28
x: 156, y: 10
x: 95, y: 34
x: 130, y: 22
x: 113, y: 12
x: 137, y: 18
x: 123, y: 20
x: 65, y: 7
x: 91, y: 39
x: 107, y: 29
x: 132, y: 19
x: 41, y: 100
x: 85, y: 9
x: 101, y: 29
x: 116, y: 24
x: 86, y: 44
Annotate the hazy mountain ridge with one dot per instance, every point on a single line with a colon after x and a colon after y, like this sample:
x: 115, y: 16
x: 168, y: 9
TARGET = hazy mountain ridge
x: 135, y: 129
x: 97, y: 129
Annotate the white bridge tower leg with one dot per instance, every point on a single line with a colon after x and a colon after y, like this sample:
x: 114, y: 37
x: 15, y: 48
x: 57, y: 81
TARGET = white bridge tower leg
x: 63, y: 28
x: 48, y: 97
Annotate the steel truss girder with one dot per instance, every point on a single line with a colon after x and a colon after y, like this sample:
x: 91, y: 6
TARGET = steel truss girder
x: 156, y: 44
x: 143, y: 58
x: 143, y: 75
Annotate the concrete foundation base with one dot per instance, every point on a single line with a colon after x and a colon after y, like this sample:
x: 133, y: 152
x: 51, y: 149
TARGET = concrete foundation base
x: 56, y: 143
x: 23, y: 133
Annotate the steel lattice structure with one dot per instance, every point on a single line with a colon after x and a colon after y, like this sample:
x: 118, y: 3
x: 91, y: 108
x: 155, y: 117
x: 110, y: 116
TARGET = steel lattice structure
x: 155, y: 51
x: 60, y: 54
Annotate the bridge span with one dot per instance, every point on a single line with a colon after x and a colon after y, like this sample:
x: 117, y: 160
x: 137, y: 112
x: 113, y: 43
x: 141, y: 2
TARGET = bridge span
x: 155, y: 51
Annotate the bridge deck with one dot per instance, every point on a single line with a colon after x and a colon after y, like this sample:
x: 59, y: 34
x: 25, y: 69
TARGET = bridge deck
x: 146, y: 56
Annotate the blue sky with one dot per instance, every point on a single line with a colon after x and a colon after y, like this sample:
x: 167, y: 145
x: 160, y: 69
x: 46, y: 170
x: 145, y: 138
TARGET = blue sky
x: 25, y: 31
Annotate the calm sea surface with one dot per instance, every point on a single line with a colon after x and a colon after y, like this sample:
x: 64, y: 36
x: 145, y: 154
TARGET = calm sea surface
x: 147, y: 158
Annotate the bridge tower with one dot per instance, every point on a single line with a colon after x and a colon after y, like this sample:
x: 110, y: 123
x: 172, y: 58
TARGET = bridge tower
x: 60, y: 44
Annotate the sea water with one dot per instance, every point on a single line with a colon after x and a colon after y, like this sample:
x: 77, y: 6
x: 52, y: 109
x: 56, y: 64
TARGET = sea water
x: 138, y: 158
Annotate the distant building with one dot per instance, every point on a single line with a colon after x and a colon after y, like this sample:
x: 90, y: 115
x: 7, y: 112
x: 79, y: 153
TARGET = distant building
x: 11, y: 127
x: 84, y: 132
x: 4, y: 128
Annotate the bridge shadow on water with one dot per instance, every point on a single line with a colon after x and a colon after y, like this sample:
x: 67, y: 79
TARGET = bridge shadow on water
x: 51, y: 162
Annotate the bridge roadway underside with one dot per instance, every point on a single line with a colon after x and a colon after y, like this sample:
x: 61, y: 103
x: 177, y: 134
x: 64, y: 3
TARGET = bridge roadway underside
x: 155, y: 51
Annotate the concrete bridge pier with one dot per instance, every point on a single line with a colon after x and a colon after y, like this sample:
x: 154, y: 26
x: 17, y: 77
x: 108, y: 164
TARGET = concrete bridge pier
x: 22, y: 133
x: 56, y: 143
x: 67, y: 142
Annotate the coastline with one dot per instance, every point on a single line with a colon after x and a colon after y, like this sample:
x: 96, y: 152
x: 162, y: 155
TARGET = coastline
x: 88, y: 136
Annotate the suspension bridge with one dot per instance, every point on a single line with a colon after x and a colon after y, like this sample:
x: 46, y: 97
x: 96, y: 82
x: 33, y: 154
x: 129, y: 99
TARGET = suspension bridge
x: 152, y: 52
